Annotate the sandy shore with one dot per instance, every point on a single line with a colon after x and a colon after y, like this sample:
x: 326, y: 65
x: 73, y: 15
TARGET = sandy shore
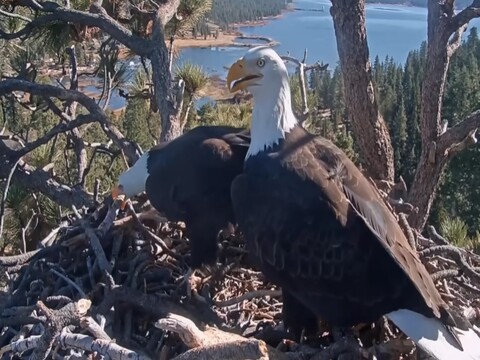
x: 223, y: 39
x: 227, y: 38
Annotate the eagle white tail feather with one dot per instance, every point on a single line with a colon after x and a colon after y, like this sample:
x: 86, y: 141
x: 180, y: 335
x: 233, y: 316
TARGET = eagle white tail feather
x: 430, y: 335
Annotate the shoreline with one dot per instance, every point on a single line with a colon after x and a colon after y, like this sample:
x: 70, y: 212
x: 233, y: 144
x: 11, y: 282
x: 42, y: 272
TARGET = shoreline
x: 216, y: 87
x: 224, y: 40
x: 228, y: 37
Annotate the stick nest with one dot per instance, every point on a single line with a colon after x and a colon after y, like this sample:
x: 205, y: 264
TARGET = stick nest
x: 108, y: 286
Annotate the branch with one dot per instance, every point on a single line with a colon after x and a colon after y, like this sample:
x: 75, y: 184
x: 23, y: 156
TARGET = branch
x: 215, y: 343
x: 303, y: 87
x: 166, y: 11
x: 60, y: 128
x: 70, y: 109
x: 5, y: 194
x: 57, y: 320
x: 456, y: 40
x: 40, y: 180
x: 450, y: 142
x: 130, y: 150
x: 17, y: 16
x: 302, y: 68
x: 464, y: 16
x: 99, y: 19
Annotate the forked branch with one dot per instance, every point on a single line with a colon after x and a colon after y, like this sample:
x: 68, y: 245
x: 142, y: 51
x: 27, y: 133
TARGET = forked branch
x: 113, y: 133
x: 464, y: 16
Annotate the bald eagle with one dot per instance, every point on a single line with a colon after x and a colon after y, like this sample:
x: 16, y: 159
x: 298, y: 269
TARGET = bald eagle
x: 322, y: 232
x: 188, y: 179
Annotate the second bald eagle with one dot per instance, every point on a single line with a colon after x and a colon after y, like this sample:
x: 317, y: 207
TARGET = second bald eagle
x: 320, y: 229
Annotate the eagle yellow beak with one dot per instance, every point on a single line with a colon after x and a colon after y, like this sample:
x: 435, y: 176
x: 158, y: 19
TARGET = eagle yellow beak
x: 238, y: 75
x: 117, y: 191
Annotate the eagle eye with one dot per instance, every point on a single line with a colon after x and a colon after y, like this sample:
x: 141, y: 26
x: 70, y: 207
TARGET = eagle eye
x: 261, y: 62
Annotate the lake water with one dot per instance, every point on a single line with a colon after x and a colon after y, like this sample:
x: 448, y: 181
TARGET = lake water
x: 392, y: 30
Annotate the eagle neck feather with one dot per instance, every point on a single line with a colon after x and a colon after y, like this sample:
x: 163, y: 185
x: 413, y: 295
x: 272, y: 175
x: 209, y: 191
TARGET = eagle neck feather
x: 272, y: 118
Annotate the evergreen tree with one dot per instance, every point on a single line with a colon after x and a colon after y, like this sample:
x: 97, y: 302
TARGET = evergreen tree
x: 137, y: 122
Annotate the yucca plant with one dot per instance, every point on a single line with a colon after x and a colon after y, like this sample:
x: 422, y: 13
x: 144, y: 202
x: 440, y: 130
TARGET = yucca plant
x: 475, y: 243
x: 454, y: 230
x: 227, y: 114
x: 16, y: 214
x: 195, y: 80
x: 190, y: 13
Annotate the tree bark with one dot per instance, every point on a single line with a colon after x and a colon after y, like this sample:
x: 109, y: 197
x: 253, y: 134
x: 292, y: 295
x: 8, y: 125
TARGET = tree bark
x: 445, y: 30
x: 442, y: 24
x: 163, y: 92
x: 168, y: 99
x: 369, y: 128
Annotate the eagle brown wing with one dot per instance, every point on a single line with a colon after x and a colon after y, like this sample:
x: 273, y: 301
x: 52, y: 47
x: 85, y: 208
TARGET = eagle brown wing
x: 195, y: 169
x: 347, y: 182
x: 321, y: 230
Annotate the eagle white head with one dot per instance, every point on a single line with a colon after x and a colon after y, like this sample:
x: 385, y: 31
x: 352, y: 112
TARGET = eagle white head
x: 262, y: 72
x: 259, y: 70
x: 132, y: 181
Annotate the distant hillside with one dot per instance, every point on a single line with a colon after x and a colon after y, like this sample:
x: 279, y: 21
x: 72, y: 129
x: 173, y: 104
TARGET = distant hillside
x: 422, y: 3
x: 226, y: 12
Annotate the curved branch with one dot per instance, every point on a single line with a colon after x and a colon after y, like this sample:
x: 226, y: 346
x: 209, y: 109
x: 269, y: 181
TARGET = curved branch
x: 40, y: 180
x: 464, y: 16
x: 113, y: 133
x: 60, y: 128
x: 99, y: 19
x: 463, y: 133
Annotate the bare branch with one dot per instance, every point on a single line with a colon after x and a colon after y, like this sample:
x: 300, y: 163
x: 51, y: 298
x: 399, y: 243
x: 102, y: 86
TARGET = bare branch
x: 99, y: 19
x: 465, y: 143
x: 464, y: 16
x: 302, y: 68
x: 130, y: 150
x: 60, y: 128
x: 464, y: 132
x: 70, y: 109
x: 166, y: 11
x: 13, y: 15
x: 40, y: 180
x: 456, y: 40
x: 5, y: 194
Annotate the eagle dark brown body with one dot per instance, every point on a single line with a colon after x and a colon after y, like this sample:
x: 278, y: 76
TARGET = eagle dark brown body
x: 321, y: 231
x: 189, y: 180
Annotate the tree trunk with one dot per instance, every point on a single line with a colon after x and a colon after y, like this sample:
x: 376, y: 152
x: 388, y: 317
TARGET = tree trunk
x: 162, y: 84
x: 369, y: 128
x: 187, y: 112
x: 433, y: 158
